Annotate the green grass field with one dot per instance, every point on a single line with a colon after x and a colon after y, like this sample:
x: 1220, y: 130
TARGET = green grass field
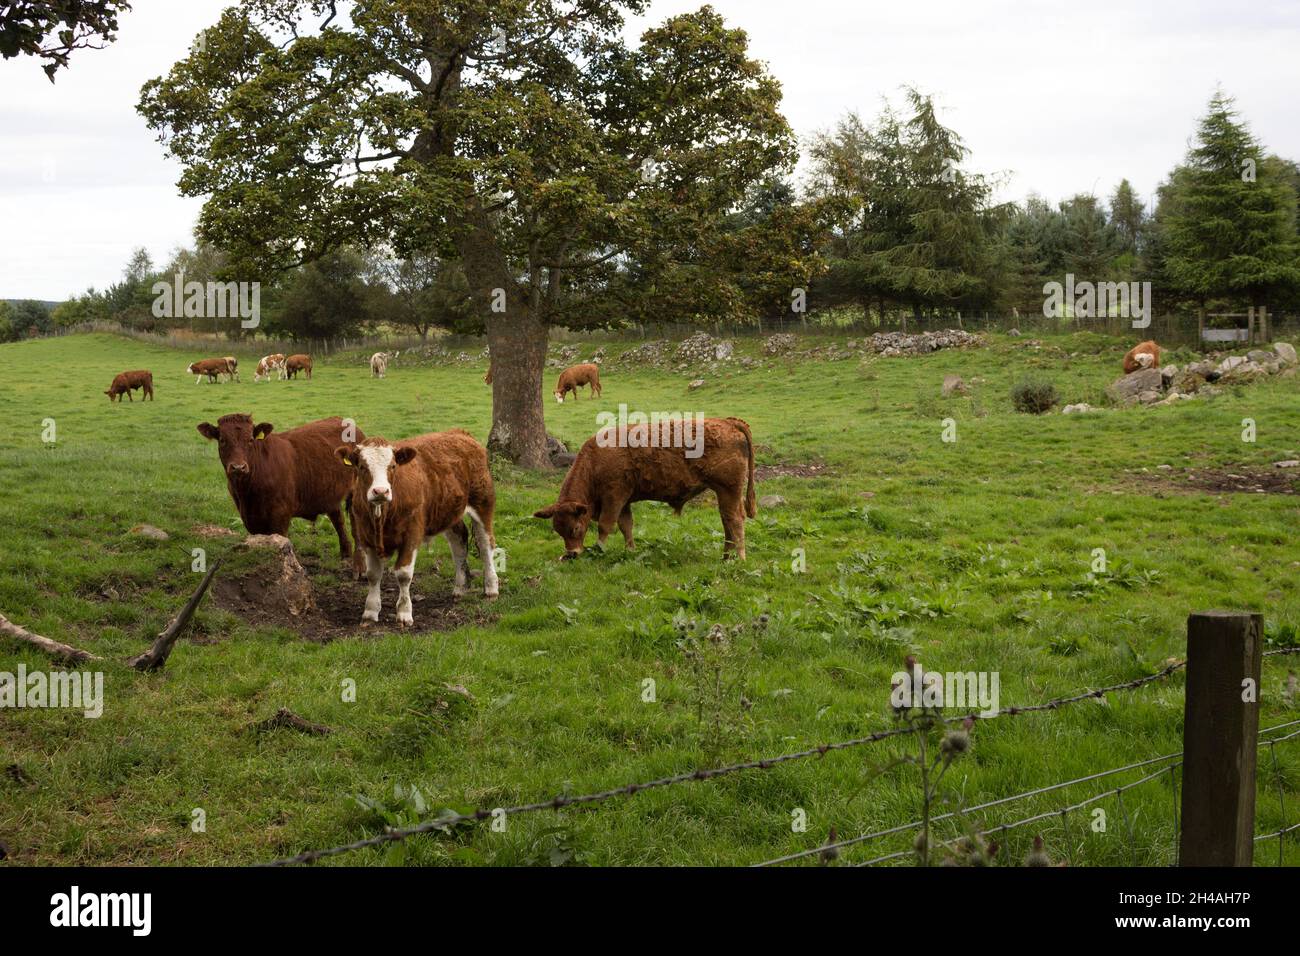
x: 974, y: 554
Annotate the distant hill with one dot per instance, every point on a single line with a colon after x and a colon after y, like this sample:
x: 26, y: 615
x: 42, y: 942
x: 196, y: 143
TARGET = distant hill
x: 48, y: 304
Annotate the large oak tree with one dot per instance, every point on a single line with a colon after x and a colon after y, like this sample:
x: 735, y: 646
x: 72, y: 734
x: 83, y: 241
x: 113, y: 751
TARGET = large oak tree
x: 523, y: 137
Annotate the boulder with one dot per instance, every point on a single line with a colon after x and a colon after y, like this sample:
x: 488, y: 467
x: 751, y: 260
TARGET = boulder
x: 771, y: 501
x: 1285, y: 352
x: 150, y: 532
x: 1168, y: 373
x: 698, y: 383
x: 779, y: 344
x: 1080, y: 408
x: 953, y: 385
x: 287, y: 585
x: 1144, y: 385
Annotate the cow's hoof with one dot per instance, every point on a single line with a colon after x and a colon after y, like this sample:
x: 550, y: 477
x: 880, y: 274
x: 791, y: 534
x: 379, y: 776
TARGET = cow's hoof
x: 491, y: 595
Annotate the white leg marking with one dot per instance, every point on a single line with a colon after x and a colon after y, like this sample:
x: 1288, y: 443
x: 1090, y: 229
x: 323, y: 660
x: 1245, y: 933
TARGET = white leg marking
x: 374, y: 574
x: 491, y: 587
x: 460, y: 558
x: 404, y: 575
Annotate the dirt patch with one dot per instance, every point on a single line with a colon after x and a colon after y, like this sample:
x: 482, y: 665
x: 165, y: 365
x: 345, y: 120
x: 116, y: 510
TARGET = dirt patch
x: 1230, y: 480
x: 788, y: 469
x: 214, y: 531
x: 339, y: 599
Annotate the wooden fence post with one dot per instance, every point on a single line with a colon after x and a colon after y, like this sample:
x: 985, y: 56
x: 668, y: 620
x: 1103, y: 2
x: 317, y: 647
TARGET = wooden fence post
x: 1220, y: 730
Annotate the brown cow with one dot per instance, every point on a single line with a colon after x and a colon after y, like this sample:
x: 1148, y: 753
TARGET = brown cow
x: 577, y: 375
x: 268, y: 364
x: 212, y: 368
x: 232, y: 367
x: 1143, y: 355
x: 652, y: 465
x: 298, y: 363
x: 406, y: 493
x: 275, y: 477
x: 125, y: 382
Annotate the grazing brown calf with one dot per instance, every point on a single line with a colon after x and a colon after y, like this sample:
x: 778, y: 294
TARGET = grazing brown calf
x: 125, y: 382
x: 267, y: 365
x: 1143, y: 355
x: 571, y: 378
x: 607, y: 477
x: 298, y: 363
x: 406, y: 493
x: 212, y: 368
x: 275, y: 477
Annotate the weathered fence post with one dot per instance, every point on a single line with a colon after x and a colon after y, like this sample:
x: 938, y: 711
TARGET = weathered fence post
x: 1220, y: 727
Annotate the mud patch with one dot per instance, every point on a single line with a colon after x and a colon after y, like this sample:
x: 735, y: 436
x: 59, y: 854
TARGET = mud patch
x: 788, y: 469
x: 339, y: 600
x: 1230, y: 480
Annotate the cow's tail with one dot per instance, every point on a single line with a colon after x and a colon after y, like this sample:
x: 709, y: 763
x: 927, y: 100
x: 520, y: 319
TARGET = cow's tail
x: 751, y: 502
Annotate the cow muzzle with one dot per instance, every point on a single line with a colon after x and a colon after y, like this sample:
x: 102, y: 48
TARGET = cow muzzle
x: 570, y: 555
x: 237, y: 468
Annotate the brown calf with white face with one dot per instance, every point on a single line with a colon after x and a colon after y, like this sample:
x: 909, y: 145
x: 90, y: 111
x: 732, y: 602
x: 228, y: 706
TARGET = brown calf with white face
x: 125, y: 382
x: 574, y: 377
x: 298, y: 363
x: 609, y: 475
x: 405, y: 493
x: 213, y: 368
x: 1143, y: 355
x: 274, y: 477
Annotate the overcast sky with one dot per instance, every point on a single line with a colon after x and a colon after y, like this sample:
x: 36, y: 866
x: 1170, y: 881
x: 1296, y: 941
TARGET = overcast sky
x: 1066, y: 97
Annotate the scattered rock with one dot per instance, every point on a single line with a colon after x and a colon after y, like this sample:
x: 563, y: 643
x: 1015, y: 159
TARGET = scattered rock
x: 953, y: 385
x: 892, y: 344
x: 1142, y: 386
x: 1285, y: 352
x: 697, y: 383
x: 288, y: 584
x: 214, y: 531
x: 780, y: 343
x: 1014, y: 333
x: 558, y: 452
x: 1076, y: 409
x: 771, y: 501
x: 702, y: 348
x: 149, y: 531
x: 1168, y: 373
x: 1289, y: 463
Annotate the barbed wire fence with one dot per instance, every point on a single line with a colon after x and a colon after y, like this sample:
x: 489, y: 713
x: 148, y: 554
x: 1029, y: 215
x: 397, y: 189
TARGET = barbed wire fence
x: 449, y: 821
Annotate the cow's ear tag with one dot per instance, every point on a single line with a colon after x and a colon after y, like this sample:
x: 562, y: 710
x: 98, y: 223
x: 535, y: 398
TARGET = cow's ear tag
x: 347, y: 461
x: 261, y: 436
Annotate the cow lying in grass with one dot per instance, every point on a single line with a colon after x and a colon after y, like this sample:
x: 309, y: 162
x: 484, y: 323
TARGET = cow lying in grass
x: 125, y: 382
x: 405, y: 493
x: 572, y: 378
x: 608, y: 476
x: 274, y: 477
x: 1143, y: 355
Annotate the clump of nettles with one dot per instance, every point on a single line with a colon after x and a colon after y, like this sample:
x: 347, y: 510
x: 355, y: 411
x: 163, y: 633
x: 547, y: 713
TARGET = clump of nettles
x: 1034, y: 397
x: 717, y: 660
x: 429, y: 713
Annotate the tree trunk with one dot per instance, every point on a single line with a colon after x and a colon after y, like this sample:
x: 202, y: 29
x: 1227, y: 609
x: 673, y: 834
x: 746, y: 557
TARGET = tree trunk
x: 517, y: 345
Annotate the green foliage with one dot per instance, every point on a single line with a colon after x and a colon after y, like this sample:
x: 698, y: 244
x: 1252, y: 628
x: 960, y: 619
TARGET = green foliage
x: 52, y: 29
x: 1034, y: 396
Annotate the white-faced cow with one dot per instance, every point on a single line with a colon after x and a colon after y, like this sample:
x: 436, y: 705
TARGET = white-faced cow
x: 268, y: 364
x: 405, y: 493
x: 610, y: 473
x: 275, y: 477
x: 378, y: 365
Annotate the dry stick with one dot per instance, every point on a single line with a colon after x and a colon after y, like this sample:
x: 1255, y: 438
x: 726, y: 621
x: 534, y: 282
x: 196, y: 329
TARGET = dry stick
x: 156, y: 657
x: 73, y: 655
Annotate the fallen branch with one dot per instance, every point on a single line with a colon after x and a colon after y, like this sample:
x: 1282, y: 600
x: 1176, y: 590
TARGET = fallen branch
x: 284, y: 717
x: 156, y: 657
x: 73, y: 655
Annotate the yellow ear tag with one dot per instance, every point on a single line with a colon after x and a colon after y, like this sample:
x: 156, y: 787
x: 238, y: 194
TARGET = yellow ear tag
x: 348, y: 462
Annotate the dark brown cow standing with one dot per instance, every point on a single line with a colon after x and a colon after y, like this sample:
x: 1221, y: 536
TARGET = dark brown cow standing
x: 275, y: 477
x: 574, y: 377
x: 405, y: 493
x: 298, y: 363
x: 125, y: 382
x: 606, y: 478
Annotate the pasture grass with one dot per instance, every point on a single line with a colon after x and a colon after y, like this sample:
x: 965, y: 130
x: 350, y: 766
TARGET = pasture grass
x: 974, y: 555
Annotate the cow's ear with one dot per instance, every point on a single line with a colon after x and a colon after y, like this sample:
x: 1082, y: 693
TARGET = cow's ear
x: 208, y: 431
x: 263, y: 429
x: 546, y: 512
x: 403, y: 455
x: 579, y: 510
x: 346, y: 454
